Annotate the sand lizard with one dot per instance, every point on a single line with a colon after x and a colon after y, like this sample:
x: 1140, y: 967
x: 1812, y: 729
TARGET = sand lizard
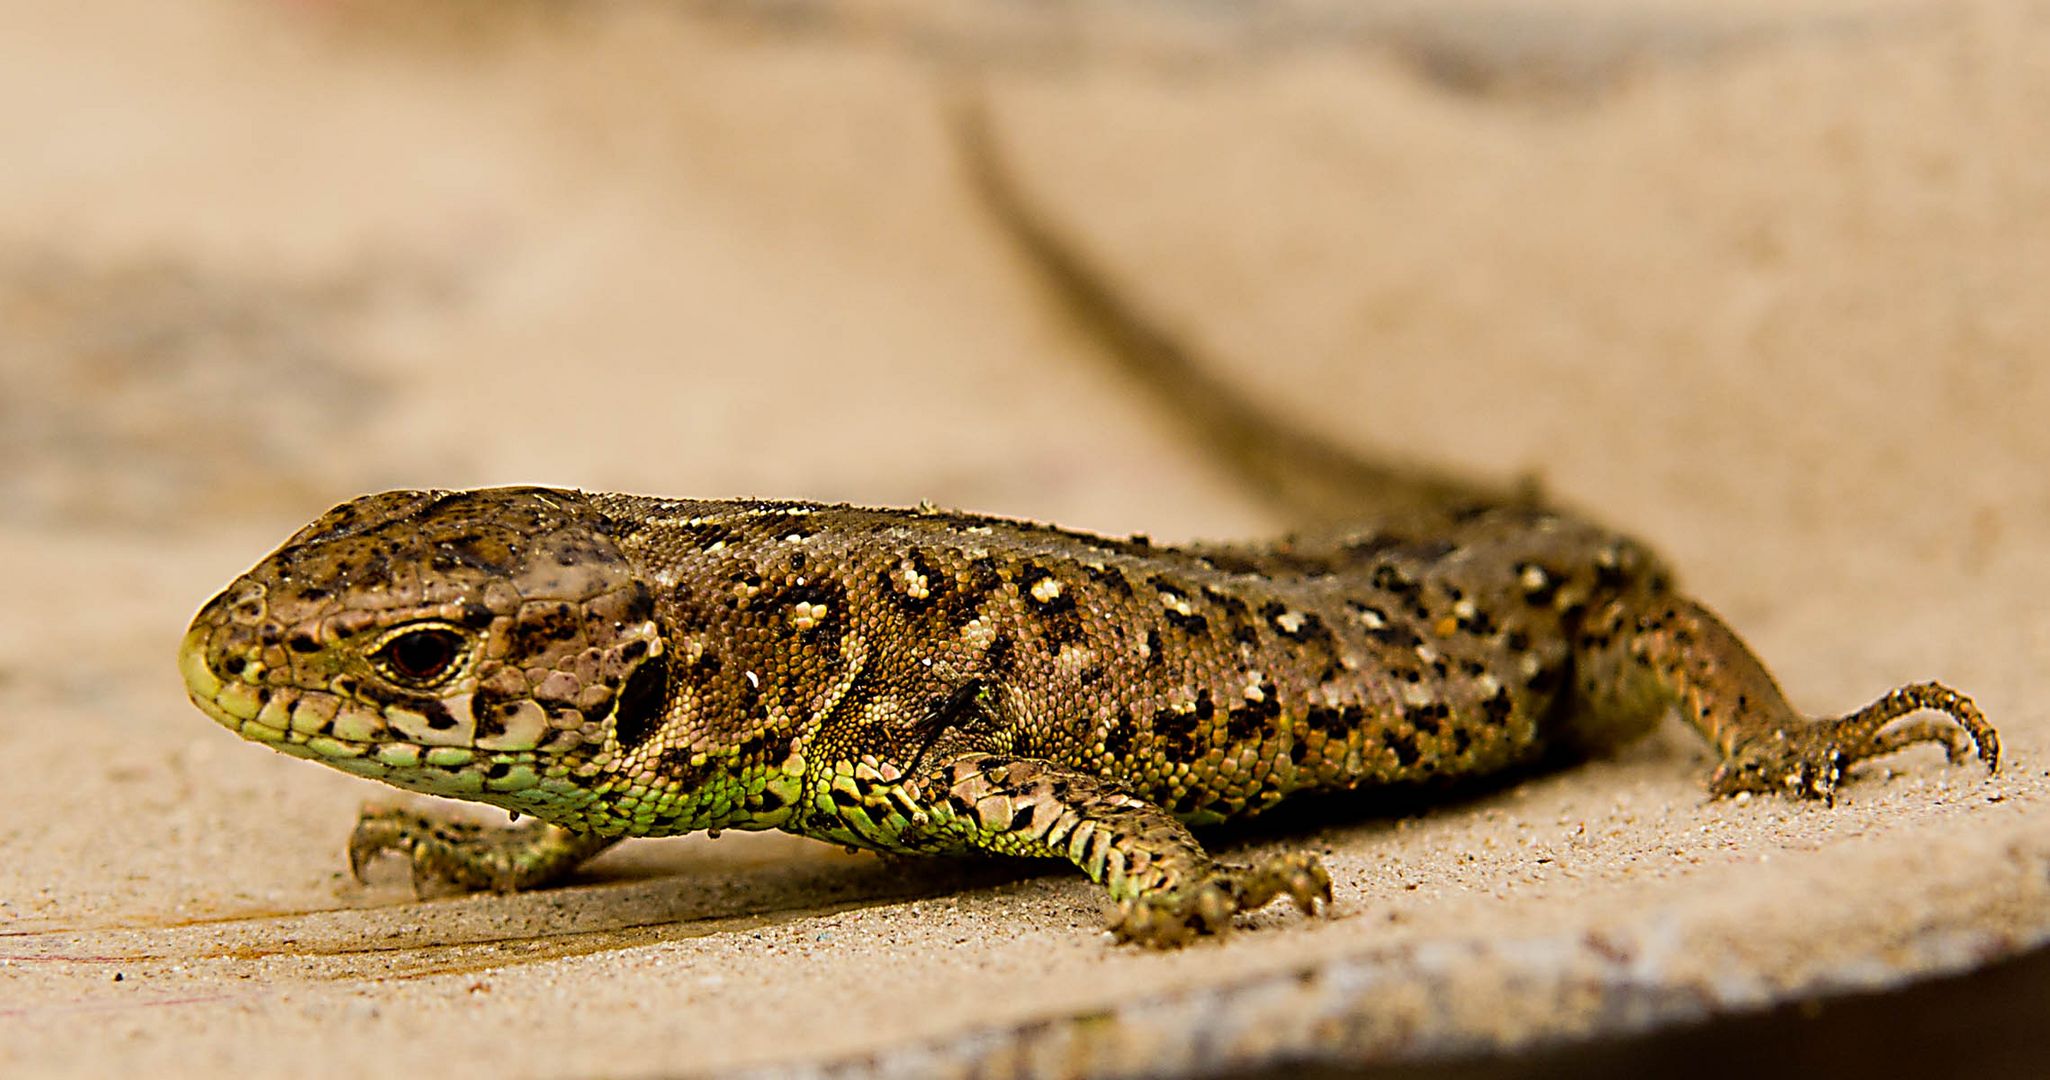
x: 919, y: 681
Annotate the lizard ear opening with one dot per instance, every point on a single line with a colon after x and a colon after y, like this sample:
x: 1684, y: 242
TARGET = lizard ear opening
x: 641, y: 703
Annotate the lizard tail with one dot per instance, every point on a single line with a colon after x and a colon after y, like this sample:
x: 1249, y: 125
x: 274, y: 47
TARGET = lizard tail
x: 1308, y: 479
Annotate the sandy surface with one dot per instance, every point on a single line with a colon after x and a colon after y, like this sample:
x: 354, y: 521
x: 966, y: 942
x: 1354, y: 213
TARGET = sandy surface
x: 1763, y: 283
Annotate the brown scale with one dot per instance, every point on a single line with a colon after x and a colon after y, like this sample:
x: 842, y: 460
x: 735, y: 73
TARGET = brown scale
x: 1173, y: 695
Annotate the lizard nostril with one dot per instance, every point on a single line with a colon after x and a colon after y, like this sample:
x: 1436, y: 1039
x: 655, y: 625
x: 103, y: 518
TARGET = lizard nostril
x: 246, y: 603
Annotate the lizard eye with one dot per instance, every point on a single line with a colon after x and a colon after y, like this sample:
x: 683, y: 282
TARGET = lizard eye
x: 419, y: 657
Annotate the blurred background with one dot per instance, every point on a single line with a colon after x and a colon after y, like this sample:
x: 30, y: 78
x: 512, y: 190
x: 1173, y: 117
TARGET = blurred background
x: 262, y: 255
x: 1760, y: 281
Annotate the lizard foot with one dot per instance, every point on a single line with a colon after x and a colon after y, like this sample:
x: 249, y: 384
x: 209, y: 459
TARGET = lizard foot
x: 1170, y: 918
x: 447, y: 852
x: 1809, y: 760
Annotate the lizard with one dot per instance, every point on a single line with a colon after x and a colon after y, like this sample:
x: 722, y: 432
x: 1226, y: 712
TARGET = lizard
x: 927, y: 682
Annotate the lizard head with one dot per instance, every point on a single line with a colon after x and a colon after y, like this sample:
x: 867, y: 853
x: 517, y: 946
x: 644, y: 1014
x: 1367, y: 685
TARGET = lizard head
x: 479, y: 644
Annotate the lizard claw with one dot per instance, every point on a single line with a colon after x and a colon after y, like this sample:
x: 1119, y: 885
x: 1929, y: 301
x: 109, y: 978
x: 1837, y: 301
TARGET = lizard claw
x: 465, y: 855
x: 440, y: 853
x: 376, y: 832
x: 1809, y: 760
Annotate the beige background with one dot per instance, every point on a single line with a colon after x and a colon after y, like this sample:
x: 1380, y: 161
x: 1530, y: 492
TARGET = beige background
x: 1763, y: 283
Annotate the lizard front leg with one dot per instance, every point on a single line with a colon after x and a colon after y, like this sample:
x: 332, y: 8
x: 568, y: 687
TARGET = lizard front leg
x: 469, y: 855
x: 1167, y: 888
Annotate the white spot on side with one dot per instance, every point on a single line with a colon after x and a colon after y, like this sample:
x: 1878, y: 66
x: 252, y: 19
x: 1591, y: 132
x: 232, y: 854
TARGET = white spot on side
x: 1176, y: 603
x: 1073, y: 659
x: 979, y: 633
x: 1291, y: 622
x: 914, y: 584
x: 807, y: 615
x: 1372, y: 619
x: 754, y: 680
x: 1046, y: 590
x: 770, y: 510
x: 1534, y: 578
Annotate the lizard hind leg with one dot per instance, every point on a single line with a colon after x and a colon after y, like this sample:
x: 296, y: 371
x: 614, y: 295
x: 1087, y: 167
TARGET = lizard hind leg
x: 1810, y: 759
x: 1638, y: 656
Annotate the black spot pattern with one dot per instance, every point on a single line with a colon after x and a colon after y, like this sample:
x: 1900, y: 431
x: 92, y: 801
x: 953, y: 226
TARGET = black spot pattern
x: 641, y: 703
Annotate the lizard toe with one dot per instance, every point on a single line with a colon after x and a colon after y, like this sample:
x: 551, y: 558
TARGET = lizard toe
x: 1172, y: 918
x: 447, y: 854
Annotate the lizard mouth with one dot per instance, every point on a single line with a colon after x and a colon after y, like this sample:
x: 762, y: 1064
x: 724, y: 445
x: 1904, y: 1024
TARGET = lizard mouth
x: 325, y: 727
x: 299, y: 722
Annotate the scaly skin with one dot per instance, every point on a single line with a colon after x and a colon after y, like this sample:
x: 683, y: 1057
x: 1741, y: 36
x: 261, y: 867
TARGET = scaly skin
x: 927, y: 682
